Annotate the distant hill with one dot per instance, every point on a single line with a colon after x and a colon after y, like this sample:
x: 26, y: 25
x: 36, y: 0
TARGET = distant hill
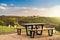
x: 12, y: 20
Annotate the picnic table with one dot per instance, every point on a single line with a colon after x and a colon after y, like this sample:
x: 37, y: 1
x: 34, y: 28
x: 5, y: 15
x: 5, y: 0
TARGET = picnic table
x: 34, y: 29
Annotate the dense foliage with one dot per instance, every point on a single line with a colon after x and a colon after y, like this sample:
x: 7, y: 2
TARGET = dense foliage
x: 12, y: 20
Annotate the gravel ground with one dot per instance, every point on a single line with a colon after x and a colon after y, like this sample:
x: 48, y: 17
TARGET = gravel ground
x: 24, y: 37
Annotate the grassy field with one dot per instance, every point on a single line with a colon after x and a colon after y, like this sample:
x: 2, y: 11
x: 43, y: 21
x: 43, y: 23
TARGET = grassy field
x: 9, y: 30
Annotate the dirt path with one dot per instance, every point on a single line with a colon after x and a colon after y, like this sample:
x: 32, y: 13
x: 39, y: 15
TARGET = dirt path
x: 24, y: 37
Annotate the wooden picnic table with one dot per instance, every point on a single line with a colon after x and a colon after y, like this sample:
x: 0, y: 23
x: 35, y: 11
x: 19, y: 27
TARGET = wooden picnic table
x: 32, y: 25
x: 34, y: 28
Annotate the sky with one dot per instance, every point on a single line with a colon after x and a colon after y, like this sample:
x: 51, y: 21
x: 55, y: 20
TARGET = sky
x: 46, y: 8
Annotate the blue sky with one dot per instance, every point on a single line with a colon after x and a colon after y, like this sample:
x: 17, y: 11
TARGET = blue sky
x: 47, y: 8
x: 32, y: 3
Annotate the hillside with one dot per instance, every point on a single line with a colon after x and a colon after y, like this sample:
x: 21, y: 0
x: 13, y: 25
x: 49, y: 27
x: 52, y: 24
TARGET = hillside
x: 12, y: 20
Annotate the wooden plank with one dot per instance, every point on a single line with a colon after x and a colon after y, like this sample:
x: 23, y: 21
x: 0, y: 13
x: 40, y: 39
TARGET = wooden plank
x: 32, y: 23
x: 20, y: 28
x: 48, y: 28
x: 42, y: 29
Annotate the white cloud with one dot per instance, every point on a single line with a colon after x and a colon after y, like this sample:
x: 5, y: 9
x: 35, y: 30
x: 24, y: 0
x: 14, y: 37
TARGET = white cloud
x: 11, y: 4
x: 3, y: 4
x: 2, y: 8
x: 54, y: 11
x: 26, y: 11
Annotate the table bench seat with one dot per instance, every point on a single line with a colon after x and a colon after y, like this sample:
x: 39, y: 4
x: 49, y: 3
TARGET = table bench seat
x: 42, y: 29
x: 32, y: 32
x: 19, y: 30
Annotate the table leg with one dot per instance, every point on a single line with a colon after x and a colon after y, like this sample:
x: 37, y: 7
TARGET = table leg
x: 31, y: 29
x: 26, y: 31
x: 41, y: 30
x: 36, y: 30
x: 19, y: 31
x: 32, y: 33
x: 50, y: 32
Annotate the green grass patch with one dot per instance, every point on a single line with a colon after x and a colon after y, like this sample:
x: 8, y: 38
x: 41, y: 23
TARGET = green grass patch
x: 7, y: 30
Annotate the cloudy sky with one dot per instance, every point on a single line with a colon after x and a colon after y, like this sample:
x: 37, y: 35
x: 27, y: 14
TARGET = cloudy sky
x: 47, y: 8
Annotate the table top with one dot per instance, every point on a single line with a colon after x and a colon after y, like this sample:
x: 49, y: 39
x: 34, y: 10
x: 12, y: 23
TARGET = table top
x: 33, y: 23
